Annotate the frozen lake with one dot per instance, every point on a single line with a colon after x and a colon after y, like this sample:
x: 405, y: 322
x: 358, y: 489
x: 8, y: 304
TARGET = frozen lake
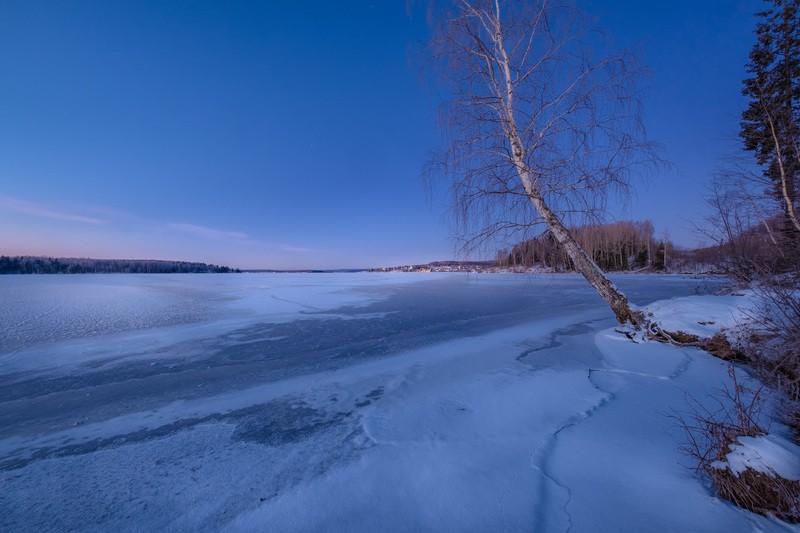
x: 75, y: 349
x: 301, y: 401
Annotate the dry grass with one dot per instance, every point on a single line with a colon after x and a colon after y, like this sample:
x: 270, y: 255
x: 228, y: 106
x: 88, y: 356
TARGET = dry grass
x: 711, y: 432
x: 720, y: 346
x: 760, y: 493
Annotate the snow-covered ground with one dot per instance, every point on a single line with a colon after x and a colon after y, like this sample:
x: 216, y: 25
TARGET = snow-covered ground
x: 355, y: 402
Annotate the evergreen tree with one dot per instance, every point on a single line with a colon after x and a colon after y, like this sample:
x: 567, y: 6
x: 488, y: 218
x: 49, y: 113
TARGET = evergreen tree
x: 771, y: 123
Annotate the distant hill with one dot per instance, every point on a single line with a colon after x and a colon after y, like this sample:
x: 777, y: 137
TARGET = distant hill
x: 25, y: 264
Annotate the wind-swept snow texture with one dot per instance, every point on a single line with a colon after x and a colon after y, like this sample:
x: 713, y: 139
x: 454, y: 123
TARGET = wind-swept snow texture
x: 347, y: 402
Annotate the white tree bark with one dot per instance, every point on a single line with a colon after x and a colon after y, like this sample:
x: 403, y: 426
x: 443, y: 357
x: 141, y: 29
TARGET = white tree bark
x: 582, y: 262
x: 541, y: 126
x: 788, y: 201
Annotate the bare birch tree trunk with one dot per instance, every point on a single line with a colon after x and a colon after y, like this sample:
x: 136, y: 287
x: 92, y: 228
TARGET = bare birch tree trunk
x: 783, y: 177
x: 582, y: 262
x: 540, y: 125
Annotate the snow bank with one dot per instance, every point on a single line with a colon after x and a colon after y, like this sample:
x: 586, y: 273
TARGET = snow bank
x: 703, y: 315
x: 620, y: 467
x: 768, y: 454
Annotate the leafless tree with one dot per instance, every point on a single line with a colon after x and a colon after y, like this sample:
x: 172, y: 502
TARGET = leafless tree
x: 745, y: 221
x: 541, y: 127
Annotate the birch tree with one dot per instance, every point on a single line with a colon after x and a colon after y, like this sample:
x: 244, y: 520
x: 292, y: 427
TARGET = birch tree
x: 540, y: 127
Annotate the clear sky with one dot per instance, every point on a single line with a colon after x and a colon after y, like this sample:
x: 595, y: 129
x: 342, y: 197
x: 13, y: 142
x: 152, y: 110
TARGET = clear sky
x: 289, y: 134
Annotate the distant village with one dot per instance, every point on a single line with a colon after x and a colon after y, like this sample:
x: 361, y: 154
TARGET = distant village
x: 446, y: 266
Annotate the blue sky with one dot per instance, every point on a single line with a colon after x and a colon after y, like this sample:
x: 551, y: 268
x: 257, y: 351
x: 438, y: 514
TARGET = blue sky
x: 292, y: 134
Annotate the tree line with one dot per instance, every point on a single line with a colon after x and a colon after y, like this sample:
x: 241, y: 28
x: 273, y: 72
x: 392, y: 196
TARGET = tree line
x: 50, y: 265
x: 619, y: 246
x: 741, y: 251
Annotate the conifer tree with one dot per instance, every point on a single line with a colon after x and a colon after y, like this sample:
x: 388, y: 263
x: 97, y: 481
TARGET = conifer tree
x: 771, y: 122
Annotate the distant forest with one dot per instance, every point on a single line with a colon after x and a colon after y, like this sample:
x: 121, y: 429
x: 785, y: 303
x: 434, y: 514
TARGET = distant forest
x: 631, y: 246
x: 624, y: 245
x: 50, y: 265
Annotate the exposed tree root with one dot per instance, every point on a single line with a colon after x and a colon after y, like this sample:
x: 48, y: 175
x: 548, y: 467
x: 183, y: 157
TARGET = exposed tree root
x: 717, y: 345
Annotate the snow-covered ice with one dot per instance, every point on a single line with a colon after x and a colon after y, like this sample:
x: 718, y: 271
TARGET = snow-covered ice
x: 356, y: 402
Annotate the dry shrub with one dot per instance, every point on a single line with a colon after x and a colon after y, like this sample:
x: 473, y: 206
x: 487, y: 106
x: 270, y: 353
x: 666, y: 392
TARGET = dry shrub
x: 773, y: 346
x: 711, y: 432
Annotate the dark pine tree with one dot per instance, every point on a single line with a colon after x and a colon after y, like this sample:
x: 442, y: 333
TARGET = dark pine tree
x: 771, y: 122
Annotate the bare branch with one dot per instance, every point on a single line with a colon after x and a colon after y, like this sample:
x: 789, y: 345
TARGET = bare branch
x: 540, y: 128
